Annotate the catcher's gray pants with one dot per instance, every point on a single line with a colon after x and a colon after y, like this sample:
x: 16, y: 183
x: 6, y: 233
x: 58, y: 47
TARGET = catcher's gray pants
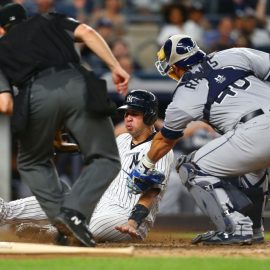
x: 242, y: 150
x: 245, y: 150
x: 57, y: 99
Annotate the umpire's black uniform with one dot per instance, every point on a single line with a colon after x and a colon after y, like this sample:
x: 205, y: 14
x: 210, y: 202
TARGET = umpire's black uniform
x: 38, y: 56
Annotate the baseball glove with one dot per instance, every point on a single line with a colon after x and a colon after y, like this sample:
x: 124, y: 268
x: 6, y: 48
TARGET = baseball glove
x: 138, y: 182
x: 62, y: 144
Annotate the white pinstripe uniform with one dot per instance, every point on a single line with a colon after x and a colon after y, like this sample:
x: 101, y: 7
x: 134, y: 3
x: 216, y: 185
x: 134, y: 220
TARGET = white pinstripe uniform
x: 114, y: 207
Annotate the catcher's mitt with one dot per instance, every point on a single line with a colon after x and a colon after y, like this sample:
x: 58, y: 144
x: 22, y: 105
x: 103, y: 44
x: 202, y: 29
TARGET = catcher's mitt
x: 62, y: 144
x: 138, y: 182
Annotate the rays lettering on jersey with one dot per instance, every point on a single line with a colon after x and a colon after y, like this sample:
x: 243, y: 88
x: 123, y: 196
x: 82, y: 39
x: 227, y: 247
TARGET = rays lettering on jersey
x: 135, y: 161
x: 195, y: 81
x: 192, y: 83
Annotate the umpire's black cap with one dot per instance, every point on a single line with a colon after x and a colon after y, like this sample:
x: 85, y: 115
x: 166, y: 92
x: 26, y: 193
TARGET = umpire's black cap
x: 12, y: 13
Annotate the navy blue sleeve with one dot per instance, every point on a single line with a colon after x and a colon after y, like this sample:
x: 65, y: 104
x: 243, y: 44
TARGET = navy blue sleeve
x: 170, y: 134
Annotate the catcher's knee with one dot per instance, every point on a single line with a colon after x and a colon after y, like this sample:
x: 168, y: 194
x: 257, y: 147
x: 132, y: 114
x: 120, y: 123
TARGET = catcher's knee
x: 188, y: 172
x: 217, y: 199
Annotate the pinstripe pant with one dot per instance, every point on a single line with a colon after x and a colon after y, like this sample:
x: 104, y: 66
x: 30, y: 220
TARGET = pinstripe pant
x: 102, y: 224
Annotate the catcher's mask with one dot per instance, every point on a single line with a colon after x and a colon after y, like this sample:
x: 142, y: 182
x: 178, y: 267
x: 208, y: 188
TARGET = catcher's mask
x: 179, y: 50
x: 11, y: 14
x: 143, y: 101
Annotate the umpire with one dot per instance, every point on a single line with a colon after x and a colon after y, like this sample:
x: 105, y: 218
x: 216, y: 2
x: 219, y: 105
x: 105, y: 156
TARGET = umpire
x: 37, y: 55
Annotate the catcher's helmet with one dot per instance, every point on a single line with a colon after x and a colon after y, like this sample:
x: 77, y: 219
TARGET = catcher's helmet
x: 144, y: 101
x: 11, y: 14
x: 179, y: 50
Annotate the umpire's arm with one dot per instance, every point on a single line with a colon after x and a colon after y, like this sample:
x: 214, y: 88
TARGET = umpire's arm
x: 94, y: 41
x: 6, y: 99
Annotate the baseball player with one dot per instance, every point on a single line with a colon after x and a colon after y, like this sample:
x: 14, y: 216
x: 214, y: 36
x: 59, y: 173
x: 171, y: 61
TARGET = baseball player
x: 228, y: 90
x: 120, y: 214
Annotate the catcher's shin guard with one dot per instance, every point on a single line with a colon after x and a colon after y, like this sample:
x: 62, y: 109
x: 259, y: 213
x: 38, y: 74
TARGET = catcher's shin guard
x: 206, y: 198
x: 216, y: 199
x: 210, y: 205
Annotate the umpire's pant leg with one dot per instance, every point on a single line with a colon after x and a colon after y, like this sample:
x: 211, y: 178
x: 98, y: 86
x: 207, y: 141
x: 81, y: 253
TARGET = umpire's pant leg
x: 36, y: 151
x: 98, y: 146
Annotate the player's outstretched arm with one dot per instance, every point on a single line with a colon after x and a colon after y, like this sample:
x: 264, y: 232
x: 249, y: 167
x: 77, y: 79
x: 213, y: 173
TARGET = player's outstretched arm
x: 139, y: 213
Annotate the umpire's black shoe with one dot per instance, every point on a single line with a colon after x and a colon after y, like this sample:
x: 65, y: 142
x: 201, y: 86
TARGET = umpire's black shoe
x: 222, y: 238
x: 72, y: 223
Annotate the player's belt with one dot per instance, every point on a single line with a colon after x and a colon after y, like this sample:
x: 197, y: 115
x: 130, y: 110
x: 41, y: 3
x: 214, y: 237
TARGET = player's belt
x: 52, y: 70
x: 251, y: 115
x: 45, y: 72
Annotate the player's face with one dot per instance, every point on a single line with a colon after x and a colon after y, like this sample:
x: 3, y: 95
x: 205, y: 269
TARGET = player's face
x: 134, y: 123
x: 176, y: 73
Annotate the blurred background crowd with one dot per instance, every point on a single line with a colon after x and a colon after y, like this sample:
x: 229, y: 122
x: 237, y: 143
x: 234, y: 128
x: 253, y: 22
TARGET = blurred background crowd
x: 135, y: 30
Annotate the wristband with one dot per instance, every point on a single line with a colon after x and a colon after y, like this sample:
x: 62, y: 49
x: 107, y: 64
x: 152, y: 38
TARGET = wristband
x: 147, y: 162
x: 139, y: 213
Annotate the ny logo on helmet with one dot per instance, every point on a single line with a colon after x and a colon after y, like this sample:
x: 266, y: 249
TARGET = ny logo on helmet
x: 130, y: 99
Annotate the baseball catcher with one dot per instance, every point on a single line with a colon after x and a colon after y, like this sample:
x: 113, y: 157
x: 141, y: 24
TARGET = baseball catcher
x: 227, y: 90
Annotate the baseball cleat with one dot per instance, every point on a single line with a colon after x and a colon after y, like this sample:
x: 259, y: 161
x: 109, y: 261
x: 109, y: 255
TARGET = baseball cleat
x: 202, y: 237
x: 37, y: 232
x: 258, y: 236
x: 222, y: 238
x: 72, y: 224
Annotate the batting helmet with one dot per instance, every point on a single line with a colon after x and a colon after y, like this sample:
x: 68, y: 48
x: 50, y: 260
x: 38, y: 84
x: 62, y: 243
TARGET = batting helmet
x: 11, y: 14
x: 144, y: 101
x: 179, y: 50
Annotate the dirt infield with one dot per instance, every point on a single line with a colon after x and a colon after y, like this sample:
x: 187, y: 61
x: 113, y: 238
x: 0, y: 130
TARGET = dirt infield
x: 158, y: 244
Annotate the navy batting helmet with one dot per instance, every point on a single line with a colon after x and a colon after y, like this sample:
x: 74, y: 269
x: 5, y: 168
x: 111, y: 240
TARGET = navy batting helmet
x: 179, y: 50
x: 144, y: 101
x: 11, y: 14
